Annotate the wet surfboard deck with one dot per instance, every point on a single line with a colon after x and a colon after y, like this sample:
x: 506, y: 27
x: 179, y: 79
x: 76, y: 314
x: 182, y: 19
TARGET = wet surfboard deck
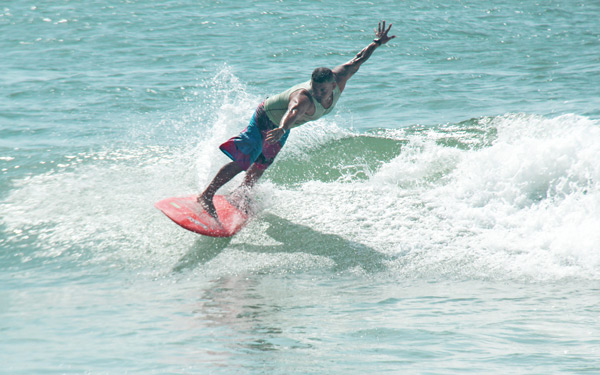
x: 189, y: 214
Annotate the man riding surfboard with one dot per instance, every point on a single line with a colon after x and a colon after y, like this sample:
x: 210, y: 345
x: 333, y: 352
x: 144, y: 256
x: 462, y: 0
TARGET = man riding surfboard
x: 255, y: 148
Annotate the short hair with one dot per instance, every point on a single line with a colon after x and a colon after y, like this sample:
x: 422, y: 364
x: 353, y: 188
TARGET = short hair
x: 322, y: 75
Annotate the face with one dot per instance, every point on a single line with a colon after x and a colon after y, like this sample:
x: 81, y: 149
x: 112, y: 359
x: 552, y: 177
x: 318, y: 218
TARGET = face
x: 323, y: 90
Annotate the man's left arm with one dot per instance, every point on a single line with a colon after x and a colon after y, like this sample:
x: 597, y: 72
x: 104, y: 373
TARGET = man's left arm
x: 347, y: 70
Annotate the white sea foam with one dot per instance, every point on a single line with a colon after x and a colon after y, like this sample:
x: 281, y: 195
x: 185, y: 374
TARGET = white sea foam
x: 525, y: 205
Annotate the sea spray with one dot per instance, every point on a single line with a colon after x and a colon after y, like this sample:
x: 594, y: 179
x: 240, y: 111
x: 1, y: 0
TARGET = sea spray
x: 512, y: 196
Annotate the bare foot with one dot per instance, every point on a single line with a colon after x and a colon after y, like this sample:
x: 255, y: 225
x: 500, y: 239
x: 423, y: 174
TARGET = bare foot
x: 208, y: 206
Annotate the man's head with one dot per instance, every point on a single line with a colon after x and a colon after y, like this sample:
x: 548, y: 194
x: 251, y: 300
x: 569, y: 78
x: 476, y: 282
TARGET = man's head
x: 322, y: 75
x: 322, y: 82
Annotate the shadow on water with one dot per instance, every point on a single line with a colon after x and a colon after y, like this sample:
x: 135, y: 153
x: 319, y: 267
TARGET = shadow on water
x: 257, y: 318
x: 204, y: 249
x: 292, y: 238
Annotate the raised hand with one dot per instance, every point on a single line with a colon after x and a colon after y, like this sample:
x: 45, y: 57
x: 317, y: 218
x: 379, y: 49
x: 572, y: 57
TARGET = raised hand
x: 381, y: 34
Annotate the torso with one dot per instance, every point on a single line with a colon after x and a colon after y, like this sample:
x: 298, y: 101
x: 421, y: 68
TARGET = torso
x: 326, y: 103
x: 277, y: 105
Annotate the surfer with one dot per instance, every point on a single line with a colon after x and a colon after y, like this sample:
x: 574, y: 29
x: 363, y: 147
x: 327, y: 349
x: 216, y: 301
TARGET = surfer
x: 255, y: 148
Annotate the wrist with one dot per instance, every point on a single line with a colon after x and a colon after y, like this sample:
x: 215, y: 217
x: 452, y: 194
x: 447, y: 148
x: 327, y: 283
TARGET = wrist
x: 377, y: 41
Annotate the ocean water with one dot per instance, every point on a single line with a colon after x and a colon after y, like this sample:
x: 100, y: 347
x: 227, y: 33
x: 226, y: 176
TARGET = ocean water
x: 445, y: 219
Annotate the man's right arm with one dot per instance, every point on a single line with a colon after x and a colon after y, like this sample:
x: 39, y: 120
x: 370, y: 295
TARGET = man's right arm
x: 299, y: 104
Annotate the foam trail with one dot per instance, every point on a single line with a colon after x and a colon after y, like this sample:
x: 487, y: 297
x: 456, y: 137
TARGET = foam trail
x: 97, y: 206
x: 524, y: 204
x: 515, y: 196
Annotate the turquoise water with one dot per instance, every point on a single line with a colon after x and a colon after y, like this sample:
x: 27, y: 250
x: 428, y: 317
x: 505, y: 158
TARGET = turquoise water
x: 444, y: 220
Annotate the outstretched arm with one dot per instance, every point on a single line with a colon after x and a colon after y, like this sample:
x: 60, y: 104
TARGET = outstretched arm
x: 347, y: 70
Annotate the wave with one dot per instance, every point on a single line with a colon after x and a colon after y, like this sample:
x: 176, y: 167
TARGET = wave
x: 513, y: 196
x: 508, y: 196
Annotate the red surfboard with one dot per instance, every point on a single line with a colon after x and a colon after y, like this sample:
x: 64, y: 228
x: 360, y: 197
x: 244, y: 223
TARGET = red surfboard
x: 187, y: 213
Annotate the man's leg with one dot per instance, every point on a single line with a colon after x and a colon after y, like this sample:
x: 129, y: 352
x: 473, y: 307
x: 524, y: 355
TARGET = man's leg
x: 240, y: 196
x: 225, y: 174
x: 252, y: 175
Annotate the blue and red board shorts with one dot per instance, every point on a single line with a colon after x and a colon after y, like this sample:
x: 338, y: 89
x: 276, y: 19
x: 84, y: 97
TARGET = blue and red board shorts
x: 250, y: 146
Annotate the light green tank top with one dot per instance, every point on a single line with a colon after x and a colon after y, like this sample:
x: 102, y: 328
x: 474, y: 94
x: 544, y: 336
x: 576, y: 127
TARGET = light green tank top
x: 277, y: 105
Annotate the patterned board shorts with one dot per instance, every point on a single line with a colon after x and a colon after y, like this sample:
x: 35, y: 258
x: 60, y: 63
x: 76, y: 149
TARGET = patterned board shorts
x: 250, y: 146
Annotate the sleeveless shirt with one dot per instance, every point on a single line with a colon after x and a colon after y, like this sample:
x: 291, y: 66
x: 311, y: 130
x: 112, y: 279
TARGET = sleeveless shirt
x: 276, y: 106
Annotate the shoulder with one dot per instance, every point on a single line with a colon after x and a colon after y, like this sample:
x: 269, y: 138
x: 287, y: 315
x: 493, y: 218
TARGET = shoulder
x: 342, y: 74
x: 301, y: 97
x: 342, y: 70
